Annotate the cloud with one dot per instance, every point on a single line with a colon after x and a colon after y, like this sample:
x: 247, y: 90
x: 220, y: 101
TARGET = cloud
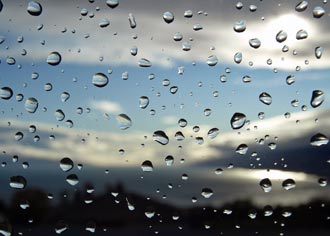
x: 107, y: 106
x: 169, y: 120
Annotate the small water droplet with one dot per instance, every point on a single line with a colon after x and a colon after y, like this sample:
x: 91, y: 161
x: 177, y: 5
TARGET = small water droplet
x: 266, y: 185
x: 318, y: 12
x: 18, y: 182
x: 104, y: 23
x: 72, y: 179
x: 255, y: 43
x: 213, y: 133
x: 84, y: 12
x: 147, y: 166
x: 179, y: 136
x: 54, y: 58
x: 212, y: 60
x: 317, y: 98
x: 59, y: 115
x: 61, y: 226
x: 6, y: 93
x: 323, y: 182
x: 34, y: 8
x: 288, y: 184
x: 242, y: 149
x: 239, y: 26
x: 238, y: 120
x: 239, y: 5
x: 252, y: 8
x: 301, y: 34
x: 160, y: 137
x: 10, y: 61
x: 302, y: 6
x: 131, y: 20
x: 182, y: 123
x: 178, y: 36
x: 186, y: 46
x: 19, y: 136
x: 318, y: 52
x: 174, y: 89
x: 281, y: 36
x: 197, y: 27
x: 100, y: 80
x: 168, y: 17
x: 32, y: 129
x: 290, y: 79
x: 188, y: 13
x: 265, y: 98
x: 112, y: 3
x: 207, y: 192
x: 318, y: 140
x: 65, y: 96
x: 31, y: 105
x: 134, y: 50
x: 143, y: 62
x: 123, y: 121
x: 238, y: 57
x: 143, y: 102
x: 169, y: 160
x: 66, y: 164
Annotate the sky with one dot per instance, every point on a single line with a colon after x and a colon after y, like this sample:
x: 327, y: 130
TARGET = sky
x: 96, y: 137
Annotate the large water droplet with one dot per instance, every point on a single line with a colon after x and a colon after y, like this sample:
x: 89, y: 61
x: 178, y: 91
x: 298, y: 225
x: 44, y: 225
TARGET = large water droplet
x: 301, y: 6
x: 131, y: 20
x: 169, y: 160
x: 143, y: 102
x: 318, y: 52
x: 301, y: 34
x: 281, y: 36
x: 31, y: 105
x: 72, y: 179
x: 19, y: 136
x: 123, y: 121
x: 212, y: 60
x: 265, y: 98
x: 168, y: 17
x: 160, y: 137
x: 143, y: 62
x: 242, y: 149
x: 212, y: 133
x: 188, y: 13
x: 66, y: 164
x: 238, y: 120
x: 54, y: 58
x: 207, y: 192
x: 34, y: 8
x: 318, y: 12
x: 112, y: 3
x: 179, y: 136
x: 182, y: 123
x: 318, y: 140
x: 100, y: 80
x: 104, y: 23
x: 59, y: 115
x: 240, y: 26
x: 288, y: 184
x: 255, y: 43
x: 317, y: 98
x: 147, y: 166
x: 238, y: 57
x: 6, y: 93
x: 266, y: 185
x: 18, y: 182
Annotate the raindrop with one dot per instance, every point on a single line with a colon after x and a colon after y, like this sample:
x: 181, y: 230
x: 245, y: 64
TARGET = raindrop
x: 188, y: 13
x: 143, y: 102
x: 288, y: 184
x: 290, y: 79
x: 91, y: 225
x: 182, y: 123
x: 19, y: 136
x: 199, y: 140
x: 169, y: 160
x: 65, y: 96
x: 213, y: 133
x: 212, y: 60
x: 34, y: 75
x: 131, y: 20
x: 246, y: 79
x: 179, y: 136
x: 72, y: 179
x: 301, y: 34
x: 143, y: 62
x: 134, y: 50
x: 238, y: 120
x: 174, y: 89
x: 54, y: 58
x: 218, y: 171
x: 61, y: 226
x: 281, y: 36
x: 147, y: 166
x: 32, y: 129
x: 149, y: 214
x: 160, y: 137
x: 168, y: 17
x: 207, y: 192
x: 266, y: 185
x: 323, y: 182
x: 178, y: 36
x: 238, y: 57
x: 112, y: 3
x: 10, y: 60
x: 84, y: 12
x: 100, y: 80
x: 31, y: 105
x: 19, y: 97
x: 317, y: 98
x: 66, y: 164
x: 252, y: 8
x: 301, y: 6
x: 318, y: 12
x: 242, y: 149
x: 18, y: 182
x: 34, y: 8
x: 318, y: 52
x: 265, y: 98
x: 104, y: 23
x: 318, y: 140
x: 123, y: 121
x: 207, y: 112
x: 6, y: 93
x: 186, y: 46
x: 59, y: 115
x: 239, y: 5
x: 255, y: 43
x: 239, y: 26
x: 197, y: 27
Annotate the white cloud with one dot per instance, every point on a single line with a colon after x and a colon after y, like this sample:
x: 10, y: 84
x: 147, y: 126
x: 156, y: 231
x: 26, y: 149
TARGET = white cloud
x: 107, y: 106
x: 169, y: 120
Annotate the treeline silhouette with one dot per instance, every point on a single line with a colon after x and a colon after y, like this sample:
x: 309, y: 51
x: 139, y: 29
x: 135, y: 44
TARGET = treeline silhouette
x: 116, y: 208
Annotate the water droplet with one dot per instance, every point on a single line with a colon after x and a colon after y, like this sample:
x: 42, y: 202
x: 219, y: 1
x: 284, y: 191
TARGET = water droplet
x: 18, y: 182
x: 318, y: 140
x: 34, y: 8
x: 59, y: 115
x: 54, y: 58
x: 213, y: 133
x: 100, y: 80
x: 174, y: 89
x: 288, y: 184
x: 48, y: 87
x: 168, y: 17
x: 186, y: 46
x: 207, y: 112
x: 65, y: 96
x: 239, y: 26
x: 188, y: 13
x: 197, y: 27
x: 131, y: 20
x: 134, y: 50
x: 84, y: 12
x: 239, y: 5
x: 218, y: 171
x: 66, y: 164
x: 323, y: 182
x: 238, y: 57
x: 91, y: 225
x: 265, y: 98
x: 149, y: 213
x: 207, y: 192
x: 252, y: 8
x: 255, y: 43
x: 160, y: 137
x: 31, y: 105
x: 318, y: 12
x: 318, y: 52
x: 281, y: 36
x: 182, y: 123
x: 147, y: 166
x: 72, y: 179
x: 266, y: 185
x: 123, y: 121
x: 179, y: 136
x: 61, y: 226
x: 10, y: 61
x: 104, y: 23
x: 238, y: 120
x: 169, y: 160
x: 178, y: 36
x: 32, y: 129
x: 301, y: 6
x: 301, y: 34
x: 6, y: 93
x: 290, y: 79
x: 112, y: 3
x: 143, y: 62
x: 19, y: 136
x: 143, y: 102
x: 212, y: 60
x: 317, y: 98
x: 242, y: 149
